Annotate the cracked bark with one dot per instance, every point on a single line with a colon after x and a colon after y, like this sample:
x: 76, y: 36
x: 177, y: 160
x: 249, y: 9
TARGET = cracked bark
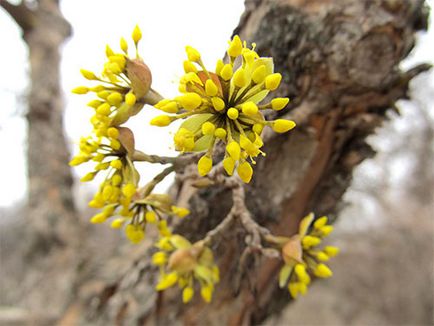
x: 339, y: 61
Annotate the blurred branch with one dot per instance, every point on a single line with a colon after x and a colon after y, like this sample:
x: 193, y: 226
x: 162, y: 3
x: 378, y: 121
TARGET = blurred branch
x: 23, y: 16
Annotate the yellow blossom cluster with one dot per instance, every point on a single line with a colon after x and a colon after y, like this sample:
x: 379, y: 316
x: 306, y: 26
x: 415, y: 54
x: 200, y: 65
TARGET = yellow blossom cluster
x: 119, y: 89
x: 225, y: 106
x: 183, y: 263
x: 302, y: 257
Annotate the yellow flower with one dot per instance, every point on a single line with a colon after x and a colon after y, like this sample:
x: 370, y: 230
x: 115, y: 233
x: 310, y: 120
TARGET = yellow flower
x: 302, y: 256
x: 123, y: 80
x: 225, y: 106
x: 185, y: 264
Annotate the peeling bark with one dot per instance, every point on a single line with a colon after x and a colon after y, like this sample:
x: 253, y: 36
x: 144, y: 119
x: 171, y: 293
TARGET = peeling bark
x: 339, y: 61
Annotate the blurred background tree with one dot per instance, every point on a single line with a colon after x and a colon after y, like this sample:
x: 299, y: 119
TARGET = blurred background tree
x: 340, y: 65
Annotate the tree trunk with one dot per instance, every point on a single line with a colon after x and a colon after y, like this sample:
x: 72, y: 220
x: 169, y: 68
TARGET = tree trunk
x: 50, y: 240
x: 339, y: 61
x: 51, y: 217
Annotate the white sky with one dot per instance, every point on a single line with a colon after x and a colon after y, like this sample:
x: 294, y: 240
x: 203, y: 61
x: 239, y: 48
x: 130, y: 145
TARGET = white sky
x: 167, y: 25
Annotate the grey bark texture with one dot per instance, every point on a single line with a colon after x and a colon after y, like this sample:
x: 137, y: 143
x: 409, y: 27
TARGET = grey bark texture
x: 340, y: 66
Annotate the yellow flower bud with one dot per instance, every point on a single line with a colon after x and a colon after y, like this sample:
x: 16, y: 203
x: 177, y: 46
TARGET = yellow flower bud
x: 79, y: 159
x: 114, y: 67
x: 102, y: 166
x: 103, y: 94
x: 320, y: 222
x: 226, y: 72
x: 331, y: 251
x: 206, y: 292
x: 257, y: 127
x: 180, y: 211
x: 117, y: 223
x: 250, y: 108
x: 229, y: 165
x: 116, y: 180
x: 234, y: 150
x: 279, y: 103
x: 187, y: 294
x: 218, y: 103
x: 104, y: 109
x: 115, y: 144
x: 282, y: 125
x: 326, y: 230
x: 309, y: 241
x: 137, y: 34
x: 167, y: 281
x: 220, y: 133
x: 241, y: 78
x: 161, y: 121
x: 273, y: 81
x: 108, y: 51
x: 80, y: 90
x: 323, y: 271
x: 129, y: 190
x: 116, y: 164
x: 208, y: 128
x: 159, y: 258
x: 151, y: 217
x: 94, y: 103
x: 259, y: 74
x: 235, y: 47
x: 88, y: 74
x: 232, y: 113
x: 204, y: 165
x: 98, y: 218
x: 192, y: 54
x: 134, y: 233
x: 88, y: 177
x: 322, y: 256
x: 294, y: 289
x: 211, y: 88
x: 245, y: 172
x: 114, y: 98
x: 189, y: 66
x: 113, y: 132
x: 124, y: 45
x: 190, y: 101
x: 219, y: 66
x: 130, y: 99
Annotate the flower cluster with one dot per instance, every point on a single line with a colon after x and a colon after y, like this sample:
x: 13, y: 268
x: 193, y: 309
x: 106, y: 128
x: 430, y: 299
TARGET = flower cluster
x: 181, y: 263
x: 302, y: 256
x: 123, y: 84
x: 110, y: 156
x: 122, y: 90
x: 224, y: 106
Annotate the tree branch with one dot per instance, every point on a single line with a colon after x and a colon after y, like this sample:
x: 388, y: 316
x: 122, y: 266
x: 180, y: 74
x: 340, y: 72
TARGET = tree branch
x: 23, y: 16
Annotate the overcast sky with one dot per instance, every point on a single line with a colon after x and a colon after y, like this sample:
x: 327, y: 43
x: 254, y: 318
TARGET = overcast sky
x: 167, y: 27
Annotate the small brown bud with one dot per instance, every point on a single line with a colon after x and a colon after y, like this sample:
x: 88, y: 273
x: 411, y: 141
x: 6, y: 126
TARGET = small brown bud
x: 182, y: 261
x: 292, y: 250
x: 126, y: 138
x: 140, y: 76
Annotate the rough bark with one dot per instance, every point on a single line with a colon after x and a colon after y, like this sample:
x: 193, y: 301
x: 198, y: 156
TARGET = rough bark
x: 339, y: 61
x: 51, y: 216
